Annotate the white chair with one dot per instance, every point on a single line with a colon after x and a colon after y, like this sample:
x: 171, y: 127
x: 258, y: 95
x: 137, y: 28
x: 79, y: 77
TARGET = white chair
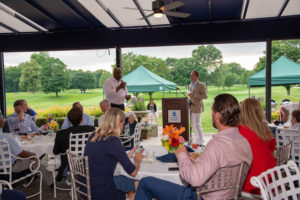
x: 284, y: 136
x: 283, y: 154
x: 77, y: 142
x: 280, y: 182
x: 79, y: 168
x: 136, y: 137
x: 6, y: 167
x: 225, y: 178
x: 3, y: 182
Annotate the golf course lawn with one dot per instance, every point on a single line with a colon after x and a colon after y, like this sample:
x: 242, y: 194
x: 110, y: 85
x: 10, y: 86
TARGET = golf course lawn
x: 92, y: 97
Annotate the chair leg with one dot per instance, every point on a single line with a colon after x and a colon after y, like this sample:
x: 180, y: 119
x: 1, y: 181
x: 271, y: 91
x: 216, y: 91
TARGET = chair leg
x: 54, y: 183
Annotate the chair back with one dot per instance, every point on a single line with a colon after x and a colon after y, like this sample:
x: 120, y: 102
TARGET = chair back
x: 125, y: 131
x: 79, y: 168
x: 280, y: 182
x: 5, y: 159
x: 283, y: 154
x: 77, y: 142
x: 226, y: 178
x: 284, y: 136
x: 137, y: 134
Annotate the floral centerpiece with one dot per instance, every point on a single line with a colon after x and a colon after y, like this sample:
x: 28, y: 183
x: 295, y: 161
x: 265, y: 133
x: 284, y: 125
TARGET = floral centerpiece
x: 171, y: 138
x: 51, y: 124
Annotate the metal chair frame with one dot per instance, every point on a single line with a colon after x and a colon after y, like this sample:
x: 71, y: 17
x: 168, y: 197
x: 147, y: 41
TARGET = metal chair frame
x: 284, y: 136
x: 136, y: 137
x: 225, y: 178
x: 283, y: 154
x: 79, y: 168
x: 6, y: 167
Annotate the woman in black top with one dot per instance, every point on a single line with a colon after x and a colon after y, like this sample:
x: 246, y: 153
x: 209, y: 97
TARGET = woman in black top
x: 152, y: 106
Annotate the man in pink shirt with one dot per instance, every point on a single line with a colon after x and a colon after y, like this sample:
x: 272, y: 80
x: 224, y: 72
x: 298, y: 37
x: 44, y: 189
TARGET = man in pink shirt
x: 228, y: 147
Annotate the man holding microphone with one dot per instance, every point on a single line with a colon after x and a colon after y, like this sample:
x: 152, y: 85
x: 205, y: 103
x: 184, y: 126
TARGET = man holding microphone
x: 115, y: 90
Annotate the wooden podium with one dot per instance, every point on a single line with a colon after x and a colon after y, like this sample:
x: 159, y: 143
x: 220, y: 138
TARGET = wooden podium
x: 175, y: 111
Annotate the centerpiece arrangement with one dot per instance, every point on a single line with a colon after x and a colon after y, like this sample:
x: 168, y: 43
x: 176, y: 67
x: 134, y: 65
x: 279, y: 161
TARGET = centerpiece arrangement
x: 171, y: 138
x: 139, y: 108
x: 51, y: 125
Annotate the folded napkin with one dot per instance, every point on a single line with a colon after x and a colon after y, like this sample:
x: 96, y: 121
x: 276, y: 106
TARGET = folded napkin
x: 170, y: 157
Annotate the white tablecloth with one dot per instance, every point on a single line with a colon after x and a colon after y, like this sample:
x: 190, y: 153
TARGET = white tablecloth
x: 156, y: 169
x: 39, y: 144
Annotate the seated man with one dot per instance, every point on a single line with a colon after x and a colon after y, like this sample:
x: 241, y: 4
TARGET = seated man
x: 19, y: 166
x: 296, y: 119
x: 62, y: 137
x: 104, y: 106
x: 86, y: 119
x: 21, y: 122
x: 130, y: 117
x: 228, y: 147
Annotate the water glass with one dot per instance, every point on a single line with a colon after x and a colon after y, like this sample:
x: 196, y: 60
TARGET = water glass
x: 151, y: 157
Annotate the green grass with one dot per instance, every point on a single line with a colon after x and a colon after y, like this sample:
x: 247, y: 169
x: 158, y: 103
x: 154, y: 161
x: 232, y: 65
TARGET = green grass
x: 93, y: 97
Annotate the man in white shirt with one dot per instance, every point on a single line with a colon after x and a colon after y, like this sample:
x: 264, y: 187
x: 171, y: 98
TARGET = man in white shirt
x: 115, y: 90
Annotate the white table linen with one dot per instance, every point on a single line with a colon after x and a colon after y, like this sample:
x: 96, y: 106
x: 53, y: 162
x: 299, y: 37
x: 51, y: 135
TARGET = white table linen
x: 38, y: 145
x: 156, y: 168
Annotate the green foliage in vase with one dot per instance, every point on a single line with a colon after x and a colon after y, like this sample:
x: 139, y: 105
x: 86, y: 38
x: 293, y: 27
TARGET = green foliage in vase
x: 138, y: 104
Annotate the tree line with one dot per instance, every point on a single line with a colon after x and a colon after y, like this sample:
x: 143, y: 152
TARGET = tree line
x: 50, y: 74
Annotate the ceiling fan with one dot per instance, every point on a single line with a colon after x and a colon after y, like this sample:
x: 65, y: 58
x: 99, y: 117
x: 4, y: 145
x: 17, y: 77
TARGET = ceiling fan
x: 159, y: 9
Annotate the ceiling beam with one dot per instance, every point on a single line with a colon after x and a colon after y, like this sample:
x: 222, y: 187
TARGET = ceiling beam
x: 246, y: 9
x: 8, y: 28
x: 283, y: 8
x: 233, y: 32
x: 137, y: 4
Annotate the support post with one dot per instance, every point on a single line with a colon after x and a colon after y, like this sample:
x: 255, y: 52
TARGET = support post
x: 268, y: 80
x: 119, y: 57
x: 2, y: 86
x: 248, y: 91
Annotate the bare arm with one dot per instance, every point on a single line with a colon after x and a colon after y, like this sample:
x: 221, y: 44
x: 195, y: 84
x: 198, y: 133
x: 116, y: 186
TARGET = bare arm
x: 137, y: 162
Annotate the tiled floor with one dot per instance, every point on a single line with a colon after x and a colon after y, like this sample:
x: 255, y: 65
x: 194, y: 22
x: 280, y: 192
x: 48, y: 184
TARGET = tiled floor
x: 65, y: 195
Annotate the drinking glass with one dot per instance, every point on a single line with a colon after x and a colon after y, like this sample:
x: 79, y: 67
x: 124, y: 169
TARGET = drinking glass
x: 194, y: 143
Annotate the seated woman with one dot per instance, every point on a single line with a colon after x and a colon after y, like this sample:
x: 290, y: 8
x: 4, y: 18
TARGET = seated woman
x: 104, y: 149
x: 255, y: 129
x: 151, y: 105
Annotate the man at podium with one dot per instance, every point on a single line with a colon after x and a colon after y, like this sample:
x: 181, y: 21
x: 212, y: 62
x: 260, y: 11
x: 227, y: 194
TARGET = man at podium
x: 196, y: 94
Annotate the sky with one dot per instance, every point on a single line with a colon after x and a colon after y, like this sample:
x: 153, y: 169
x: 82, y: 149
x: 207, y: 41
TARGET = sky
x: 246, y: 54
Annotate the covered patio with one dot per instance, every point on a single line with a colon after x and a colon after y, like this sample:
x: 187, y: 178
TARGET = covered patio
x: 39, y: 25
x: 49, y: 25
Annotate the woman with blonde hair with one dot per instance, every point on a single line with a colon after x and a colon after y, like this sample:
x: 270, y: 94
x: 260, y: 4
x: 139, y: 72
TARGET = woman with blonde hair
x: 254, y: 128
x: 104, y: 149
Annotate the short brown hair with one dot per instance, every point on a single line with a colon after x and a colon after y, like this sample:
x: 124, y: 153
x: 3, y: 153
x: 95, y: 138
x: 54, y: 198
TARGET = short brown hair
x: 75, y: 116
x: 229, y: 109
x: 19, y: 102
x: 296, y: 114
x: 75, y: 104
x: 196, y: 73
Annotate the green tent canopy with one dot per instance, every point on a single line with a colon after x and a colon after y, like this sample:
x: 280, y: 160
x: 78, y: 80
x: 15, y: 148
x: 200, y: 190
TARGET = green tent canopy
x: 143, y: 80
x: 283, y: 72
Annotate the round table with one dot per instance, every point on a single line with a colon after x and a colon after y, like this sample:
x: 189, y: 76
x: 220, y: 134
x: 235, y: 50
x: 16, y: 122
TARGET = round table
x: 156, y: 169
x: 38, y: 145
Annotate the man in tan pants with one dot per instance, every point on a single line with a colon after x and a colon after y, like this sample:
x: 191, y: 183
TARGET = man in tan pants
x: 197, y: 93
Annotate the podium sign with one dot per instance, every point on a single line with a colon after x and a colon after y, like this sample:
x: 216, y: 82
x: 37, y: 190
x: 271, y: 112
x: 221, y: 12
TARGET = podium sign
x: 175, y: 111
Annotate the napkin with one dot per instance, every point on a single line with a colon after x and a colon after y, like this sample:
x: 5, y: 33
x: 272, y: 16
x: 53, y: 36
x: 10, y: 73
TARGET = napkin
x: 170, y: 157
